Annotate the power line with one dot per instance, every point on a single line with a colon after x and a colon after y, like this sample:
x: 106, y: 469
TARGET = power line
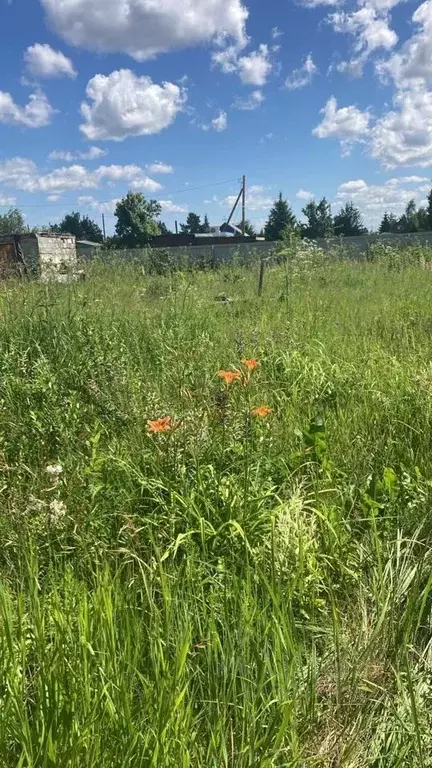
x: 184, y: 190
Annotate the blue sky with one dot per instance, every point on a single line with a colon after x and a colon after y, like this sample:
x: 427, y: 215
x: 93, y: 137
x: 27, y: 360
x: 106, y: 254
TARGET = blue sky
x: 179, y: 98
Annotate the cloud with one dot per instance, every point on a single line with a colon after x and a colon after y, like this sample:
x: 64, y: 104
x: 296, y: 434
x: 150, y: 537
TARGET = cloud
x: 250, y: 103
x: 252, y: 69
x: 267, y: 137
x: 144, y: 28
x: 36, y: 114
x: 21, y: 173
x: 370, y: 31
x: 302, y: 76
x: 124, y: 104
x: 375, y: 199
x: 303, y: 194
x: 220, y: 122
x: 53, y: 198
x: 412, y: 65
x: 93, y: 153
x: 255, y: 68
x: 404, y: 135
x: 169, y: 207
x: 5, y: 202
x: 348, y: 124
x: 107, y: 206
x: 257, y: 199
x: 276, y: 33
x: 43, y: 61
x: 316, y: 3
x: 163, y: 168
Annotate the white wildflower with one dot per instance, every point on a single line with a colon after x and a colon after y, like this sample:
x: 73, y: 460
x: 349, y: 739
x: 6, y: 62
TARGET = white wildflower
x: 54, y: 470
x: 57, y: 512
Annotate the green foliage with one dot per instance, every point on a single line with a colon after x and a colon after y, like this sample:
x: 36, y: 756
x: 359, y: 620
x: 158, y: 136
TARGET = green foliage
x: 249, y: 228
x: 12, y: 222
x: 136, y: 220
x: 349, y: 222
x: 280, y: 219
x: 239, y: 590
x: 409, y: 222
x: 193, y: 225
x: 82, y: 227
x: 319, y: 220
x: 389, y: 224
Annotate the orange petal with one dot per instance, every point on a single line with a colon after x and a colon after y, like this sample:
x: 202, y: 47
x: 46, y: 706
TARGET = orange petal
x: 251, y: 364
x: 262, y: 411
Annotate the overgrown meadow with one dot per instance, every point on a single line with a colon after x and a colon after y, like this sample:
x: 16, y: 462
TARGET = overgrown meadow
x: 215, y: 517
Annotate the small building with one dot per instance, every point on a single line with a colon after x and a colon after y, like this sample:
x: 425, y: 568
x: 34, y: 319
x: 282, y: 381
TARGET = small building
x: 45, y: 255
x: 88, y: 249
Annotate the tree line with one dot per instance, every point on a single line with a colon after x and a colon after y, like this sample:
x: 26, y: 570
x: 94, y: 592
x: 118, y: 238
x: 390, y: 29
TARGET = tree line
x: 412, y: 220
x: 138, y: 221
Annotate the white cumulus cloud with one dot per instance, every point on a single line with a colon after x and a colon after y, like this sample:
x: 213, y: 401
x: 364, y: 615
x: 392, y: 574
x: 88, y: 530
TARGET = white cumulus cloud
x: 303, y: 194
x: 43, y: 61
x: 144, y: 28
x: 90, y: 202
x: 36, y: 114
x: 403, y: 136
x: 93, y: 153
x: 375, y: 199
x: 348, y: 124
x: 257, y: 199
x: 251, y: 102
x: 253, y: 68
x: 162, y: 168
x: 220, y: 122
x: 370, y: 30
x: 412, y: 65
x: 22, y: 173
x: 302, y: 76
x: 169, y: 207
x: 123, y: 104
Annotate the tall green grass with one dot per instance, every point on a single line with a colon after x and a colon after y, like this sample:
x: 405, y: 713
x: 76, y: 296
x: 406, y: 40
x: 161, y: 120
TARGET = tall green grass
x: 238, y: 591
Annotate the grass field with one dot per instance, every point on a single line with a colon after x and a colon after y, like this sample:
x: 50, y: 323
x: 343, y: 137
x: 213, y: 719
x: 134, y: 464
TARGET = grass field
x: 240, y: 589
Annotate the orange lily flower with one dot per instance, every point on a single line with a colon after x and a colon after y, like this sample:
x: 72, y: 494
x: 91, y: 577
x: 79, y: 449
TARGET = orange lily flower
x: 262, y: 411
x: 160, y: 425
x: 229, y: 376
x: 251, y: 365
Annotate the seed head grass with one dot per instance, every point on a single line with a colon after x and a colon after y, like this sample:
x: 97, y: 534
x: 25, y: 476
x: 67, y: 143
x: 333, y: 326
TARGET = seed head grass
x: 247, y: 580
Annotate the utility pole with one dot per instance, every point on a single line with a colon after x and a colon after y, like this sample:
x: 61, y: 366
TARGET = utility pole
x: 176, y: 227
x: 103, y: 227
x: 244, y: 206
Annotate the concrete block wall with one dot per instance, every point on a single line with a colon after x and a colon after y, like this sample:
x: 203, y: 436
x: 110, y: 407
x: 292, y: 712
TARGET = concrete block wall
x: 57, y: 255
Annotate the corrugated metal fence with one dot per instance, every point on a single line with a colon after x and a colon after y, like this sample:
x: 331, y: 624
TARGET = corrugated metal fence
x: 226, y: 252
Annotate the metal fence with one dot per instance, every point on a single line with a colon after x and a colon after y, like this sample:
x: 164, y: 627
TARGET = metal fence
x: 224, y: 253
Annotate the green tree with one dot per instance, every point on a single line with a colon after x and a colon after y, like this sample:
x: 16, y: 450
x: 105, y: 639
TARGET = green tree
x: 193, y: 225
x: 408, y: 222
x: 429, y: 209
x: 249, y: 228
x: 12, y: 222
x: 205, y: 229
x: 280, y: 220
x: 349, y: 221
x: 137, y: 220
x: 389, y: 223
x: 319, y: 220
x: 423, y: 219
x: 163, y: 229
x: 82, y: 227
